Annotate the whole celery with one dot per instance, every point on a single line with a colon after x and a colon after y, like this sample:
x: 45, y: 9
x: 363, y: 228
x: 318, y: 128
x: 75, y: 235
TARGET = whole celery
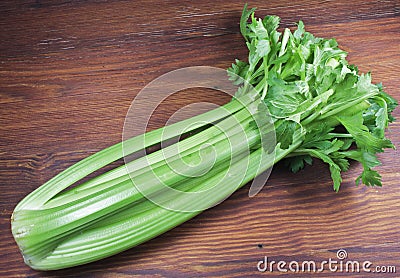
x: 308, y: 88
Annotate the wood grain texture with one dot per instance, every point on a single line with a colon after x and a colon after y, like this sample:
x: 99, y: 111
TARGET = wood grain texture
x: 69, y: 71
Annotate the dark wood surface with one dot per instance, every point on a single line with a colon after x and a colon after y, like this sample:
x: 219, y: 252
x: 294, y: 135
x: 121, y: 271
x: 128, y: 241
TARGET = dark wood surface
x: 69, y: 71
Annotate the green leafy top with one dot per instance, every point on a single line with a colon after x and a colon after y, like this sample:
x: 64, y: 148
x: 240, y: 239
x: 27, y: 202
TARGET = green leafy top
x: 308, y: 86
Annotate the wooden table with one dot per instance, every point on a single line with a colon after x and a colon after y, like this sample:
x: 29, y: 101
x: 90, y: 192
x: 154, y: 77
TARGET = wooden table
x: 69, y: 71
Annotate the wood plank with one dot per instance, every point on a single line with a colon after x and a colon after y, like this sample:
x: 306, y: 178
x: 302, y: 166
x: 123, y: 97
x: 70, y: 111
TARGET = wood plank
x: 69, y: 71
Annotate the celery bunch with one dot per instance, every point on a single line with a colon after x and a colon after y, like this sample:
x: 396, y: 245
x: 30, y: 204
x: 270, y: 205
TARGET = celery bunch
x: 319, y: 106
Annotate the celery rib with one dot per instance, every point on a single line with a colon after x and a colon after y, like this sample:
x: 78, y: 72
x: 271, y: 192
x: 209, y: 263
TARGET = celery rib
x: 66, y: 219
